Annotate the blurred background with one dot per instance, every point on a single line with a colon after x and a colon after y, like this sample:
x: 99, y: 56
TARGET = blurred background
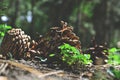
x: 90, y: 18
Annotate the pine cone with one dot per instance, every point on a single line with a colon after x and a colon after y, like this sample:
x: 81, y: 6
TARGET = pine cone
x: 15, y: 42
x: 68, y: 36
x: 42, y: 46
x: 99, y: 53
x: 56, y: 37
x: 64, y: 34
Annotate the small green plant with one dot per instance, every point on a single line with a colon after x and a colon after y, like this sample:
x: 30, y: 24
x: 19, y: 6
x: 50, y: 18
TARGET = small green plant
x: 71, y: 55
x: 114, y: 56
x: 3, y: 29
x: 116, y: 73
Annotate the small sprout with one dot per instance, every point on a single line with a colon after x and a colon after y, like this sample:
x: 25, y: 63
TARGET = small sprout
x: 115, y: 73
x: 51, y: 55
x: 3, y: 29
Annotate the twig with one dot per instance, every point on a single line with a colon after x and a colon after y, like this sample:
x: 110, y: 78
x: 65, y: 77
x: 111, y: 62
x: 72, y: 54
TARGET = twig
x: 3, y: 67
x: 50, y: 73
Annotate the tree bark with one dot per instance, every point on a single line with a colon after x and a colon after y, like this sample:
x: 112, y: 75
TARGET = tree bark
x: 99, y: 21
x: 62, y: 11
x: 16, y: 11
x: 31, y: 28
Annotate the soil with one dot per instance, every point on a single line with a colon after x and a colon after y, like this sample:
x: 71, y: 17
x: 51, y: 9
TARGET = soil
x: 35, y: 70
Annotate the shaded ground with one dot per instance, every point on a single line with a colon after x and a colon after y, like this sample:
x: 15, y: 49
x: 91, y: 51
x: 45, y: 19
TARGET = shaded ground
x: 10, y: 70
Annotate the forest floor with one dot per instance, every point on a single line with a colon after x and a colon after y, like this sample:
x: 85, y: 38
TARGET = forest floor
x: 60, y: 42
x: 34, y: 70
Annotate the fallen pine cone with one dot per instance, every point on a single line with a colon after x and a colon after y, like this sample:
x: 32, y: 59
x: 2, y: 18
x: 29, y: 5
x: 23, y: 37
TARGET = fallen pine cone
x: 15, y: 43
x: 99, y: 53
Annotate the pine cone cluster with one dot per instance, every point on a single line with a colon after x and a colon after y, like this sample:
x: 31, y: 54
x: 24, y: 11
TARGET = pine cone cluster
x: 99, y: 53
x: 20, y: 45
x: 55, y: 37
x: 15, y: 42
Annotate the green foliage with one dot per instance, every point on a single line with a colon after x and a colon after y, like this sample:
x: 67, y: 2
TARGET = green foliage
x: 115, y: 72
x: 71, y: 55
x: 87, y: 8
x: 114, y: 56
x: 3, y: 29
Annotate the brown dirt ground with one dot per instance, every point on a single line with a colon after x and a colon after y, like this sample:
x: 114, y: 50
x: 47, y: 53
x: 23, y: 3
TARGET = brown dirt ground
x: 34, y: 70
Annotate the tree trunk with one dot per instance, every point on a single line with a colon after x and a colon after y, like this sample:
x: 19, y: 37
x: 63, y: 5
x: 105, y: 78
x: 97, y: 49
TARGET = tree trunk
x: 62, y: 11
x: 16, y: 11
x: 31, y: 28
x: 99, y: 21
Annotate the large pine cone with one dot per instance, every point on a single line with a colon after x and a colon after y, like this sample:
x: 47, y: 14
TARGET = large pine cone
x: 64, y: 34
x: 15, y: 43
x: 56, y: 37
